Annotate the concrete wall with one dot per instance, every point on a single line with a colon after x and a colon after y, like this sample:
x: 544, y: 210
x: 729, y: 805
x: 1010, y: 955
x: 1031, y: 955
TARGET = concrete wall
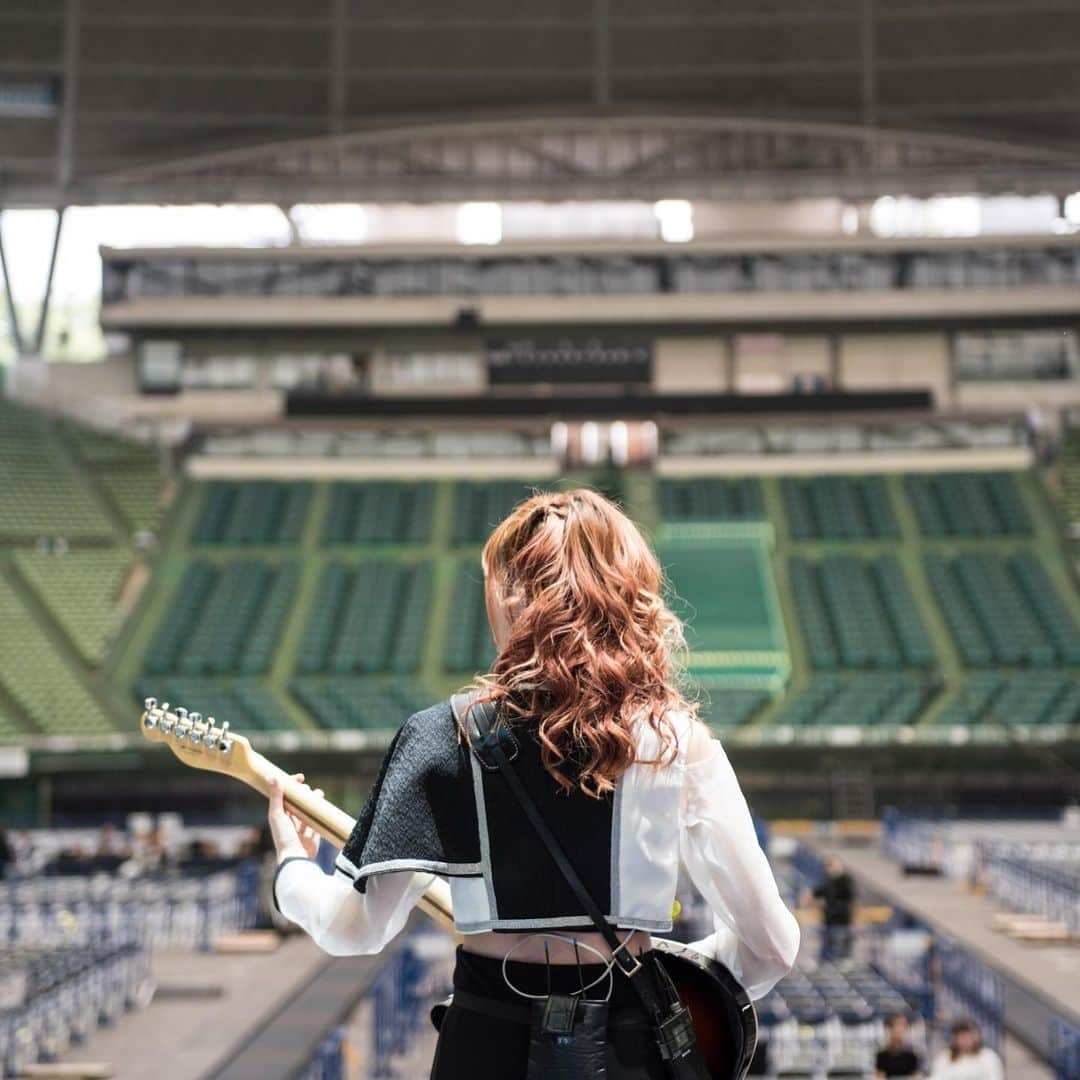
x: 770, y: 363
x: 897, y: 361
x: 686, y: 365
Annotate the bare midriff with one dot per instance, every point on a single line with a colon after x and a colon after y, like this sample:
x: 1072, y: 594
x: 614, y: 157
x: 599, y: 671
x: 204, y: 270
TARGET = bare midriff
x: 529, y: 946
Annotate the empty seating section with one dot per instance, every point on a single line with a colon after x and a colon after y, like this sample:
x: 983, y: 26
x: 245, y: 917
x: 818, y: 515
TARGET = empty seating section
x: 839, y: 508
x: 1060, y: 626
x: 1048, y: 698
x: 80, y: 590
x: 223, y: 620
x: 356, y: 702
x: 858, y: 613
x: 129, y: 472
x: 379, y: 513
x: 468, y: 647
x: 1003, y: 609
x: 480, y: 505
x: 711, y: 499
x: 1070, y: 458
x: 40, y: 491
x: 136, y: 492
x: 251, y: 512
x: 247, y: 704
x: 969, y: 504
x: 863, y: 700
x: 367, y: 618
x: 722, y: 708
x: 38, y: 679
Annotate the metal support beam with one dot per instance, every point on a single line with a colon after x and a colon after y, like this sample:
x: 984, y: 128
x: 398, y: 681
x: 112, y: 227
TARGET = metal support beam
x: 601, y: 65
x: 65, y: 149
x: 13, y: 318
x: 46, y: 300
x: 339, y: 60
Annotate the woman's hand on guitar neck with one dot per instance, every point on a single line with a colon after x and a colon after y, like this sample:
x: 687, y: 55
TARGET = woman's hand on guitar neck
x: 292, y: 838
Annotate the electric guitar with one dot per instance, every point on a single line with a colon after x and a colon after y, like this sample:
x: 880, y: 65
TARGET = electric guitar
x: 723, y: 1015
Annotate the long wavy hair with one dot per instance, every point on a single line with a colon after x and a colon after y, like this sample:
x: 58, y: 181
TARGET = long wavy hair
x: 590, y: 648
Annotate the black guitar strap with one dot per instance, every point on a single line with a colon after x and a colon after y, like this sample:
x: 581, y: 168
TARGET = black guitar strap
x: 655, y: 991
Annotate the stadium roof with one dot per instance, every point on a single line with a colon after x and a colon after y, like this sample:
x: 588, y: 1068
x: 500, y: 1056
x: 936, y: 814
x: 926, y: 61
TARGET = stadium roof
x: 285, y: 100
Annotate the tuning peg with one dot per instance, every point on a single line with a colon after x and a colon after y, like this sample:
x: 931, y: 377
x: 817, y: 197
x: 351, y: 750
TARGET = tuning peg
x: 210, y: 735
x: 150, y: 704
x: 224, y: 740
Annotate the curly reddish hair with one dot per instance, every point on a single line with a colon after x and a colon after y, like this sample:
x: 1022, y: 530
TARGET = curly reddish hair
x: 589, y: 652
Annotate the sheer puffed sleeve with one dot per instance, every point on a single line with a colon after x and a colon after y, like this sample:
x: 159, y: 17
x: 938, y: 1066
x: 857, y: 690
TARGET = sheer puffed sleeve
x: 756, y: 937
x: 341, y: 920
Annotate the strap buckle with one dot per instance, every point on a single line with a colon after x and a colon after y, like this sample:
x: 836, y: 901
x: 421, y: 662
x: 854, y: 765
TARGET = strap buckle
x: 625, y: 960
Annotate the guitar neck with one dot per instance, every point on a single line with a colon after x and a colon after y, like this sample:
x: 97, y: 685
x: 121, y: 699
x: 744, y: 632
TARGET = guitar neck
x: 216, y: 749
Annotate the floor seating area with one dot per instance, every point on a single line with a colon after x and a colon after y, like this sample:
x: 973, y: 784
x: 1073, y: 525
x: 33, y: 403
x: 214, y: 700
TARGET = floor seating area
x: 252, y: 512
x: 710, y: 498
x: 1030, y: 867
x: 858, y: 613
x: 67, y: 992
x: 379, y: 513
x: 76, y: 949
x: 839, y: 508
x: 968, y: 504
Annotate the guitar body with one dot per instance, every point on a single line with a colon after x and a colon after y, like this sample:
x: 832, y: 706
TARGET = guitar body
x: 724, y: 1019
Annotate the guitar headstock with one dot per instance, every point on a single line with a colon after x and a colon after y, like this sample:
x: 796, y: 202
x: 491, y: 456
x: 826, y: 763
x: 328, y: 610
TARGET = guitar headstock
x: 198, y: 742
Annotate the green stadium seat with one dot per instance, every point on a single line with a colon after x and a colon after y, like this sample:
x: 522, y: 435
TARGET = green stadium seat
x: 710, y: 498
x: 248, y: 706
x: 379, y: 513
x: 251, y: 512
x: 968, y: 504
x: 480, y: 505
x: 223, y: 620
x: 80, y: 589
x: 1004, y: 609
x: 358, y: 703
x: 468, y: 647
x: 838, y: 508
x: 368, y: 619
x: 858, y: 613
x: 41, y: 493
x: 38, y: 678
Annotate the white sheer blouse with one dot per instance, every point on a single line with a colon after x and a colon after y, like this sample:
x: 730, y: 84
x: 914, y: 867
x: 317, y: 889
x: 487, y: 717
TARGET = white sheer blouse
x: 754, y: 934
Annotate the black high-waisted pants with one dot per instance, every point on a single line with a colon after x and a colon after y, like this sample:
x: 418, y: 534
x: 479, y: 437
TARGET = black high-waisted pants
x: 474, y: 1046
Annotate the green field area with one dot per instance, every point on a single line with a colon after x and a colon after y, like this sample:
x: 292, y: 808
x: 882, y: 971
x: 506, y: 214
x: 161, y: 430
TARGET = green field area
x: 877, y: 605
